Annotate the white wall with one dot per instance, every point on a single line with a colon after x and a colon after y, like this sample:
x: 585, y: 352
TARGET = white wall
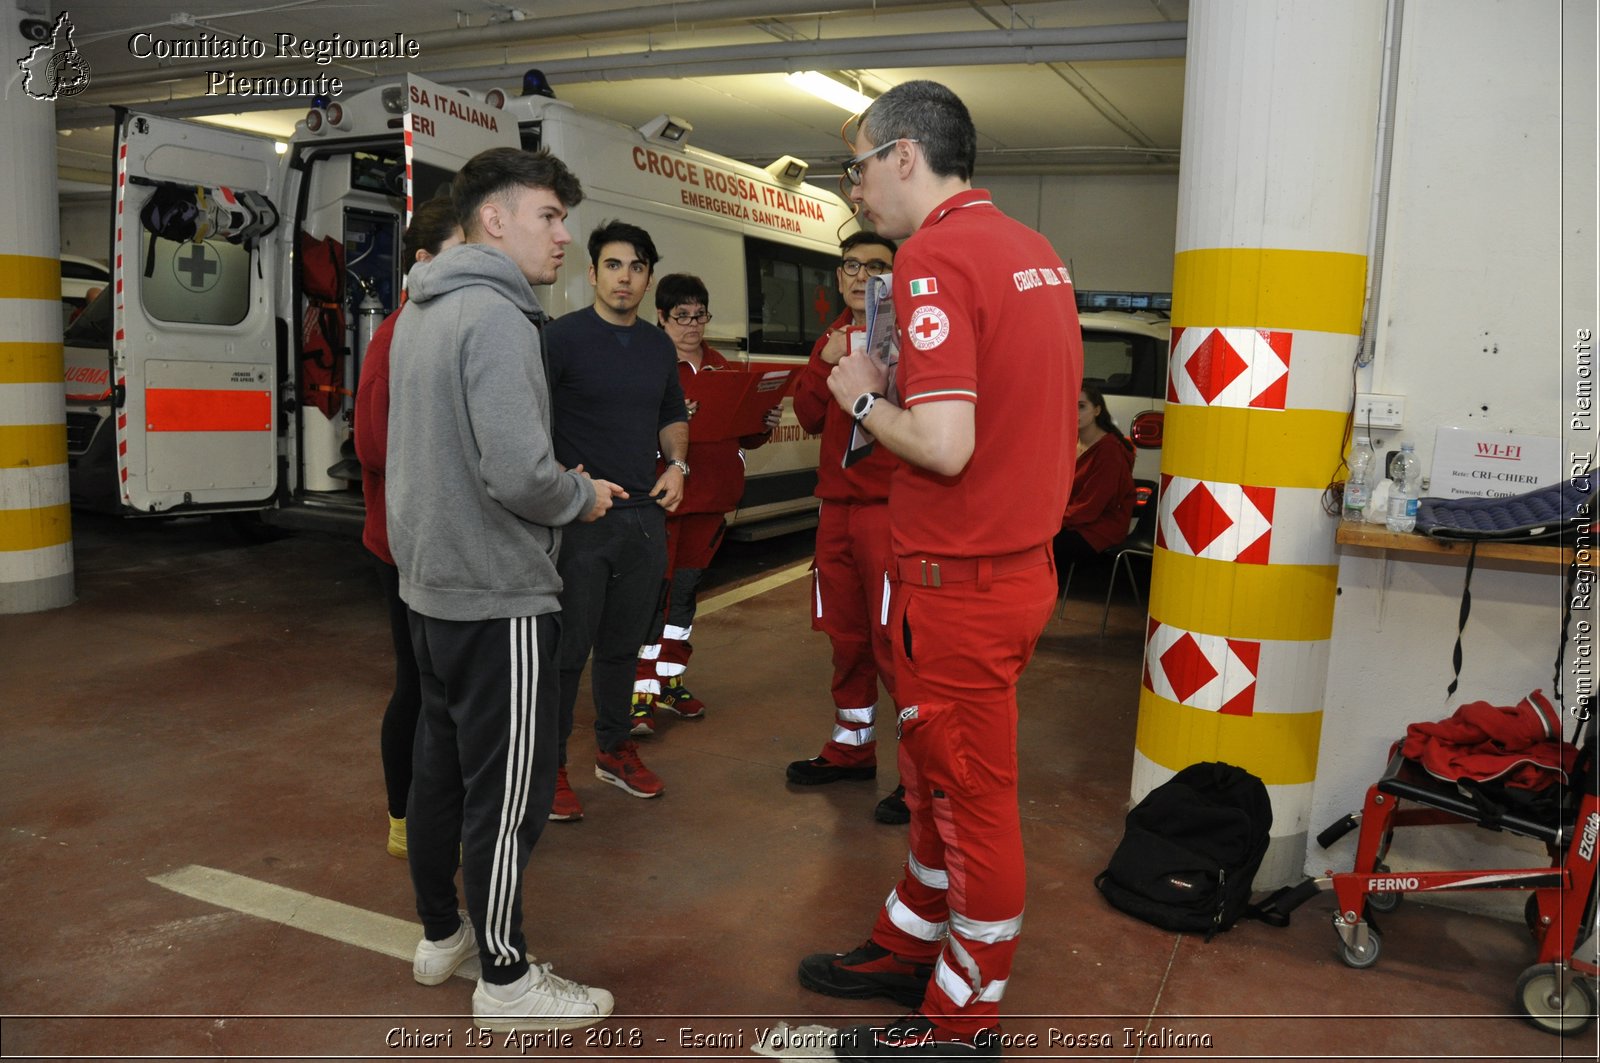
x: 1471, y: 333
x: 1115, y: 232
x: 86, y: 226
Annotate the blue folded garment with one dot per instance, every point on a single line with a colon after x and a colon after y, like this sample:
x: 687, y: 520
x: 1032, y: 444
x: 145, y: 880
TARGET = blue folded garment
x: 1545, y: 512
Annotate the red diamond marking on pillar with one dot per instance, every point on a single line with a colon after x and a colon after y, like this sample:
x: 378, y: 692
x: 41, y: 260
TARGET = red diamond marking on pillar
x: 1200, y: 518
x: 1186, y: 667
x: 1214, y: 365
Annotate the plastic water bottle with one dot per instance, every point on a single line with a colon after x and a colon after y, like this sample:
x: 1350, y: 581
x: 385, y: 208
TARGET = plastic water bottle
x: 1403, y: 495
x: 1358, y: 488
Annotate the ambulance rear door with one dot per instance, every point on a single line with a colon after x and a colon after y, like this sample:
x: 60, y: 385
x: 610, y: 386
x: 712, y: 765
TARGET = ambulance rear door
x: 195, y: 352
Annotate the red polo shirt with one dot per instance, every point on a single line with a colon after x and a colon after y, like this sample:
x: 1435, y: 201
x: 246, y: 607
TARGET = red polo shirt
x: 987, y: 315
x: 814, y: 407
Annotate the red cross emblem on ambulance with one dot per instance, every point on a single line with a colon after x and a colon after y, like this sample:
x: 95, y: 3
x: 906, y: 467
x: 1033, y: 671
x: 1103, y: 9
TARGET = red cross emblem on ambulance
x: 929, y: 327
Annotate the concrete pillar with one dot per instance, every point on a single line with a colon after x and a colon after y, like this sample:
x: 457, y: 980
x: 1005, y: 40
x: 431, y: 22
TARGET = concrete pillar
x: 35, y: 522
x: 1274, y: 198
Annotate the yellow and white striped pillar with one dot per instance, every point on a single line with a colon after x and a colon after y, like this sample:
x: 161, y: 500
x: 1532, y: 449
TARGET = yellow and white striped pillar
x: 1274, y: 195
x: 35, y: 522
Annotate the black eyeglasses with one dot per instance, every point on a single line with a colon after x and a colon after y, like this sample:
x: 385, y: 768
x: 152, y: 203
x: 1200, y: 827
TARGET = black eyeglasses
x: 682, y: 318
x: 875, y: 267
x: 852, y: 169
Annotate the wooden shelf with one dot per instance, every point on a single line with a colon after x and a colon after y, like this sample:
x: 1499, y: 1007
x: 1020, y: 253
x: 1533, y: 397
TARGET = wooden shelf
x: 1377, y: 537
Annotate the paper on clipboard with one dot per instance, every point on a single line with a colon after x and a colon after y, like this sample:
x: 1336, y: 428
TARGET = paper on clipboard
x: 734, y: 402
x: 883, y: 345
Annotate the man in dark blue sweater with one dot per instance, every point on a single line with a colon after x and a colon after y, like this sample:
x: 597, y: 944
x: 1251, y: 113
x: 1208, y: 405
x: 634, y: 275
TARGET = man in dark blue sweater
x: 617, y: 401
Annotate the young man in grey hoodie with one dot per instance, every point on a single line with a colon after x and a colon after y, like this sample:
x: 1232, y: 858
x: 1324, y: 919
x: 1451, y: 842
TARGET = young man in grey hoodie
x: 475, y: 500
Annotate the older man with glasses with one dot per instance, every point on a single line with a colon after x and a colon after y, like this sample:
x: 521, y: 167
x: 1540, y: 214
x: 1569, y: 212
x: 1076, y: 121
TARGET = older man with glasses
x: 853, y: 557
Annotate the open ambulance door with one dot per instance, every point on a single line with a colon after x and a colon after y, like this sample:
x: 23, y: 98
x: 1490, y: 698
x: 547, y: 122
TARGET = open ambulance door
x: 444, y: 127
x: 195, y: 360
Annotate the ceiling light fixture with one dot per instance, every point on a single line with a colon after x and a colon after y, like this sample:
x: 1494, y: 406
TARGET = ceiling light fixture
x: 826, y: 88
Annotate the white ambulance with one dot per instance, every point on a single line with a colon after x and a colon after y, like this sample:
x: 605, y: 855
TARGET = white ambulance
x: 220, y: 379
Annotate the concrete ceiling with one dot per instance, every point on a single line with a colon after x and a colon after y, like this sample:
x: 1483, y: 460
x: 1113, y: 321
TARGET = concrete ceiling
x: 1061, y: 86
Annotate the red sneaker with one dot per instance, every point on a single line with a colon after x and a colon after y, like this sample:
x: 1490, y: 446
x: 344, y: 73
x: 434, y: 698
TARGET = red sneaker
x: 566, y: 807
x: 624, y: 769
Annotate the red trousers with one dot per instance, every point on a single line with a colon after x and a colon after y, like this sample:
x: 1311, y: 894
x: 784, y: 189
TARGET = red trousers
x: 692, y: 542
x: 959, y: 650
x: 849, y: 603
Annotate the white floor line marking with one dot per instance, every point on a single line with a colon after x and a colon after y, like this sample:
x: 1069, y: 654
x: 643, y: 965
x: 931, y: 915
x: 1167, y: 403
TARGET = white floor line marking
x: 750, y: 590
x: 382, y: 934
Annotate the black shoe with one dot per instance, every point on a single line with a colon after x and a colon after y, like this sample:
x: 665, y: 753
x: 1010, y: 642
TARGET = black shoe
x: 892, y: 809
x: 816, y: 771
x: 869, y: 971
x: 913, y: 1037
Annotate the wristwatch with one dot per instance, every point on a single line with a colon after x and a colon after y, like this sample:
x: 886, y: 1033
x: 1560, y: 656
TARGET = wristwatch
x: 682, y: 465
x: 863, y: 405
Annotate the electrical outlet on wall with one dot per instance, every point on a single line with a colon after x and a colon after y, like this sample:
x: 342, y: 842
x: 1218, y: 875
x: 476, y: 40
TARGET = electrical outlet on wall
x: 1380, y: 411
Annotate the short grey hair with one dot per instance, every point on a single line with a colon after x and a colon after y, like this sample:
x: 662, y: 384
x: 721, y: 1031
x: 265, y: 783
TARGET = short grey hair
x: 932, y: 115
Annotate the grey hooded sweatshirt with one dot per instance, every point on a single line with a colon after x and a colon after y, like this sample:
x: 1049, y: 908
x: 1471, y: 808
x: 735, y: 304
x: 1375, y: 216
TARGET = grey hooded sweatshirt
x: 475, y: 495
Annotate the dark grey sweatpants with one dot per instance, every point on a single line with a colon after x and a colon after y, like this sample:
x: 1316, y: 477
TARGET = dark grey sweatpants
x: 483, y: 776
x: 611, y: 572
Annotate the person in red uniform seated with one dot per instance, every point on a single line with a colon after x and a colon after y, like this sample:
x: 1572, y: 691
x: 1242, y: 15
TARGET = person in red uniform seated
x: 694, y: 529
x: 990, y: 360
x: 433, y: 228
x: 1102, y: 486
x: 853, y: 556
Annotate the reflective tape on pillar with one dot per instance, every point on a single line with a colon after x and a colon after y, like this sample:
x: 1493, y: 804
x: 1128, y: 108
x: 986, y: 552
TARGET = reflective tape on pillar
x: 35, y: 521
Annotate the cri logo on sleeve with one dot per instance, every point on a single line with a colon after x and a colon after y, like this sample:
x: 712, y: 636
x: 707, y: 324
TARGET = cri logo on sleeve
x: 929, y: 327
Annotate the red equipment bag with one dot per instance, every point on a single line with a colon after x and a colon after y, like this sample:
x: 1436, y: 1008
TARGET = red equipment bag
x: 322, y: 348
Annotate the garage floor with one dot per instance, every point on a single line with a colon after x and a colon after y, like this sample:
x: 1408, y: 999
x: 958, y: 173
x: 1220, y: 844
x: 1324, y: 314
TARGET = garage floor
x: 193, y: 853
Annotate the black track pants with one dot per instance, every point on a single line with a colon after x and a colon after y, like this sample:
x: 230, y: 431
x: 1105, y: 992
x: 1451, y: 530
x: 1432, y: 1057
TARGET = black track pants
x: 483, y: 775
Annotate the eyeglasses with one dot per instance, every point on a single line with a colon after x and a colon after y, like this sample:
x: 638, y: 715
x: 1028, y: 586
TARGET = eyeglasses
x: 681, y: 318
x: 876, y: 267
x: 852, y: 169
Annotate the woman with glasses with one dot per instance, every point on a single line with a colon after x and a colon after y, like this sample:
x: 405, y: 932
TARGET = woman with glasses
x: 694, y: 529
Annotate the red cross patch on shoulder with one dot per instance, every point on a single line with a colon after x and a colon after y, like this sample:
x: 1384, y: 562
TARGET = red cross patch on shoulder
x: 928, y: 327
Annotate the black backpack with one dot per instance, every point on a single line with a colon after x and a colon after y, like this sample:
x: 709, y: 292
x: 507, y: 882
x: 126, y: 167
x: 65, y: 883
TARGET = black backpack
x: 1191, y: 849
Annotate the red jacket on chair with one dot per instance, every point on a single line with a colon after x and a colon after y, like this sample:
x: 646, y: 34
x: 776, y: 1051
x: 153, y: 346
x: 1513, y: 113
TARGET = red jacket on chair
x: 1519, y: 745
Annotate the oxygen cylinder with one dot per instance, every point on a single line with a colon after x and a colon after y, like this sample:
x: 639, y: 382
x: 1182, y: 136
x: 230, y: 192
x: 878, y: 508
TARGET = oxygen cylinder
x: 369, y: 315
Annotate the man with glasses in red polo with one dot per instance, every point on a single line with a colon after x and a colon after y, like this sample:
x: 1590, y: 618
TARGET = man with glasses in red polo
x: 853, y: 555
x: 991, y: 360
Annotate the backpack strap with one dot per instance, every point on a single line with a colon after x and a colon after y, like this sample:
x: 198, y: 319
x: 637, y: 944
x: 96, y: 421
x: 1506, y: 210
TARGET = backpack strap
x: 1566, y: 622
x: 1461, y: 621
x: 1275, y: 909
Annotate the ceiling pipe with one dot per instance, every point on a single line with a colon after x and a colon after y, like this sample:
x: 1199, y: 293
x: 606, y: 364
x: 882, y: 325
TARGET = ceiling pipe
x: 1162, y: 40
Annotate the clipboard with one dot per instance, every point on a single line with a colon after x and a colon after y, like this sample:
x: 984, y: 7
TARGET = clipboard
x: 734, y: 402
x: 882, y: 341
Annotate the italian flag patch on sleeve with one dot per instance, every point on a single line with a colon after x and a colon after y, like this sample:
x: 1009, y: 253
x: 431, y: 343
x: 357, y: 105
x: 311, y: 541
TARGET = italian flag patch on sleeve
x: 925, y: 286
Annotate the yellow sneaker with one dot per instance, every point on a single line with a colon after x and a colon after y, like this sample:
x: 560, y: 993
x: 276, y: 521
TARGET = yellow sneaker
x: 397, y: 837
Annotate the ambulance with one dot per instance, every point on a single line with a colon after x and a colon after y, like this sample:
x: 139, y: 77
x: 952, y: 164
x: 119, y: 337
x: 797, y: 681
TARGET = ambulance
x: 217, y: 374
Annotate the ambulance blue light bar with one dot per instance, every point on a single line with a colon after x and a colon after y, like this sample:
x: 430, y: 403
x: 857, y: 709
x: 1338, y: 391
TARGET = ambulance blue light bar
x: 1159, y: 302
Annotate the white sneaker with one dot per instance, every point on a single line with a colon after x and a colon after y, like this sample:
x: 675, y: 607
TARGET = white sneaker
x: 436, y: 961
x: 549, y: 1002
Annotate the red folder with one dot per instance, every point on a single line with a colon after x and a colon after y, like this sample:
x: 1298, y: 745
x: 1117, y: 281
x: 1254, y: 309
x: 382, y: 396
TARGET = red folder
x: 734, y: 403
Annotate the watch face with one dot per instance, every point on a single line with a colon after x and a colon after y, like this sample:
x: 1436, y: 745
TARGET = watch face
x: 863, y: 404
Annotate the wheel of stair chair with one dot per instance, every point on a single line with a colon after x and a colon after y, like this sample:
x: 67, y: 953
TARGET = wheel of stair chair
x: 1555, y: 999
x: 1383, y: 903
x: 1360, y: 957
